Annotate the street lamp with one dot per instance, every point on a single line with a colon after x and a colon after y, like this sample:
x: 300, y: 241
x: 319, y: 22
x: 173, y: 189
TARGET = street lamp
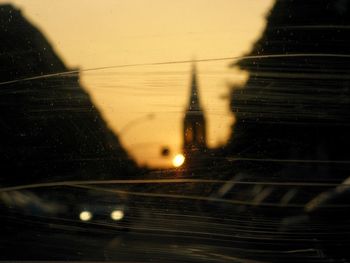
x: 165, y: 151
x: 136, y: 121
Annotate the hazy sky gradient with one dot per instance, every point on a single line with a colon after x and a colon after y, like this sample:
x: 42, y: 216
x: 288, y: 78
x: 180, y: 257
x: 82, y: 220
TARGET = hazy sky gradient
x: 89, y: 34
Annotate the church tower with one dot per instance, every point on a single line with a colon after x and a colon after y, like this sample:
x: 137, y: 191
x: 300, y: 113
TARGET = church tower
x: 194, y: 129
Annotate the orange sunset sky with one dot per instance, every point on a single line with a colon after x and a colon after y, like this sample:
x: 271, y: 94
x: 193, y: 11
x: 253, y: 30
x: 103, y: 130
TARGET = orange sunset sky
x: 90, y: 34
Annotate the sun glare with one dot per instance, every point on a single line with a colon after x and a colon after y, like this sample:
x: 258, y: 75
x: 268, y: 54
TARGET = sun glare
x: 178, y: 160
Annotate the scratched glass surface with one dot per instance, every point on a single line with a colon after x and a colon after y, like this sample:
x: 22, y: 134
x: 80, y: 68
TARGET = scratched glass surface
x: 175, y: 131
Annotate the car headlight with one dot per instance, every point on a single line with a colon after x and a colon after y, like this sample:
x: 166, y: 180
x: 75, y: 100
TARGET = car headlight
x: 85, y: 215
x: 117, y: 215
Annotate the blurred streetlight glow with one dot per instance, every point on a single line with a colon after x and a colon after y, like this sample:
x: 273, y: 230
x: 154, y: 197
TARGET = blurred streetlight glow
x: 178, y: 160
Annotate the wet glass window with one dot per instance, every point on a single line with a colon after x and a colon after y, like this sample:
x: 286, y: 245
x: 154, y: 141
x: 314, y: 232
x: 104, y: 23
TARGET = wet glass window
x: 175, y: 131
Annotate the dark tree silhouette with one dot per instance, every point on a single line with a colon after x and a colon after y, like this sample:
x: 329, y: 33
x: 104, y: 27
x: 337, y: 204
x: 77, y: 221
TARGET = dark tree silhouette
x: 296, y: 102
x: 50, y: 129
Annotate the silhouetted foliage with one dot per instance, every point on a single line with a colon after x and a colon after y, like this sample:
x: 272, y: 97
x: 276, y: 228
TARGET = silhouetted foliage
x: 296, y: 102
x: 50, y: 129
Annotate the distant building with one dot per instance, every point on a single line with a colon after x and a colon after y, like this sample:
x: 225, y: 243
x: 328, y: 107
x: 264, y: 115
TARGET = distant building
x: 194, y: 125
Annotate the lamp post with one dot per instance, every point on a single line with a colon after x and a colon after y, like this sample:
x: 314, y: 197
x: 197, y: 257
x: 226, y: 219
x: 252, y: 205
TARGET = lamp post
x: 176, y: 160
x: 134, y: 122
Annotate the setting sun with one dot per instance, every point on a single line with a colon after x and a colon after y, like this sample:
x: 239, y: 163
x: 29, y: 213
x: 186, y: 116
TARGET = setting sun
x: 178, y: 160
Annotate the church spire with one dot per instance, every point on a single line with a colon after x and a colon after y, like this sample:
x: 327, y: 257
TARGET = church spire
x: 194, y: 103
x: 194, y: 132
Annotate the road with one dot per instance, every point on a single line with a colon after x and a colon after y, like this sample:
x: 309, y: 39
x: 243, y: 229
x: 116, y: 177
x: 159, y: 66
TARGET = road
x: 174, y: 230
